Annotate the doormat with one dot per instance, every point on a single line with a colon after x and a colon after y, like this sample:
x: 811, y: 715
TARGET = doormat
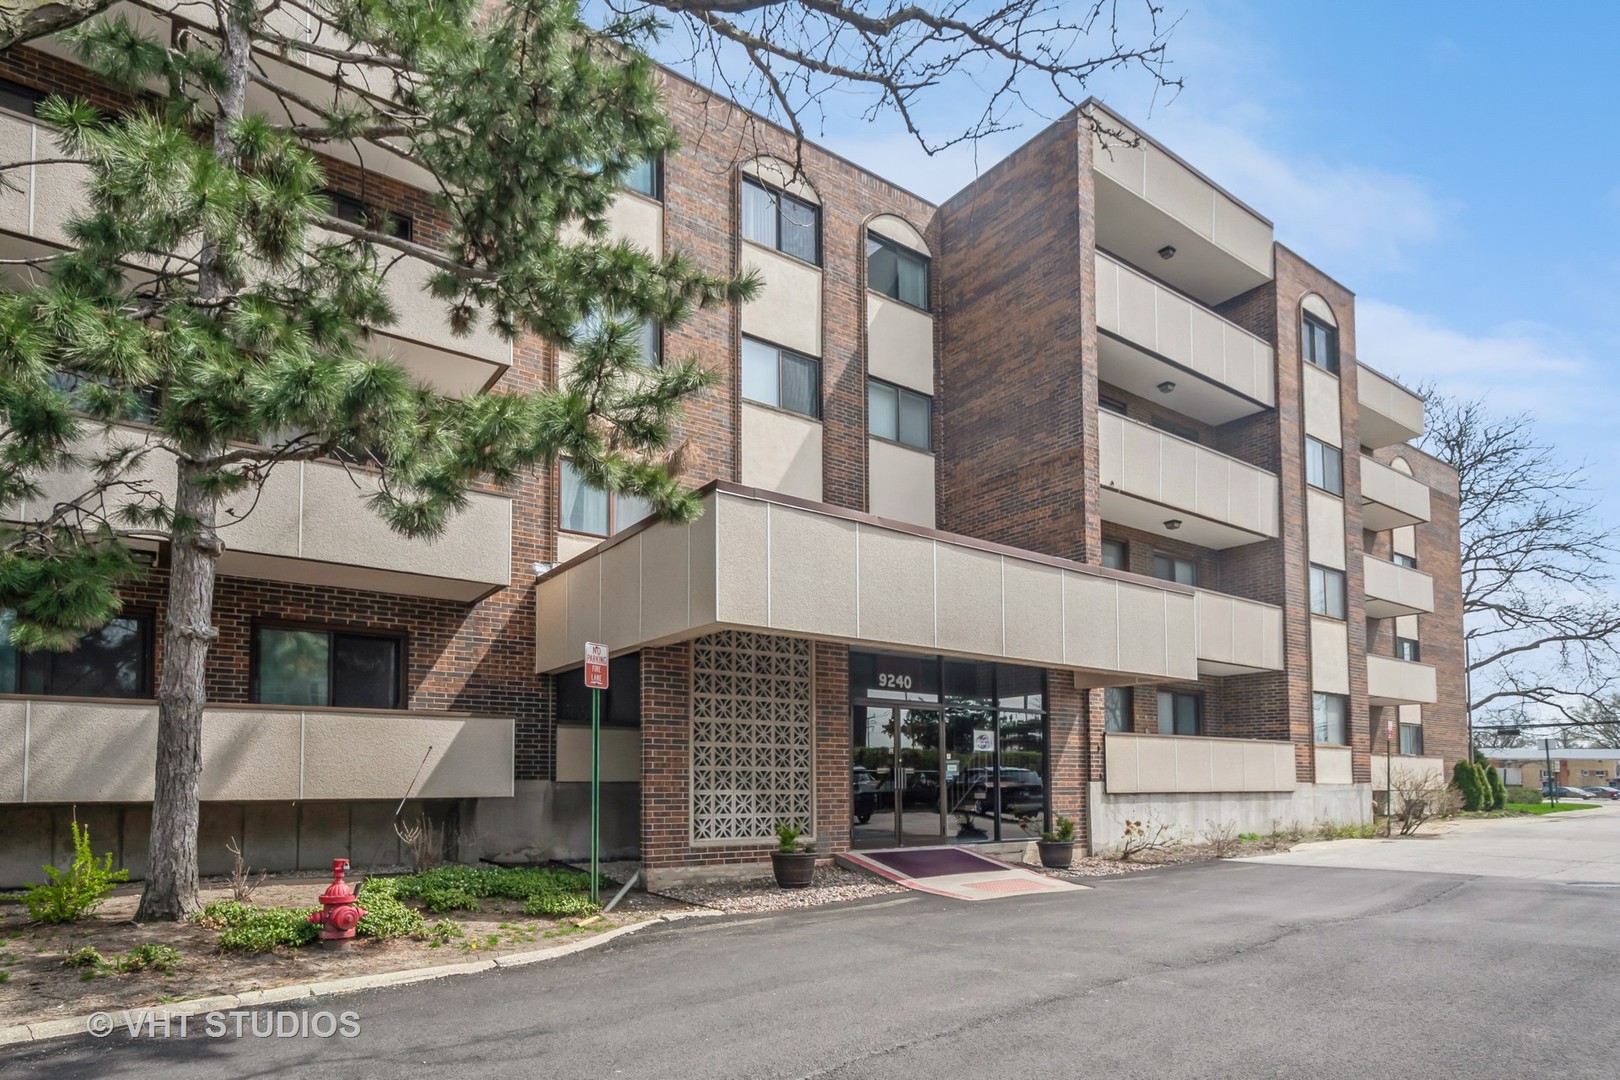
x: 957, y: 872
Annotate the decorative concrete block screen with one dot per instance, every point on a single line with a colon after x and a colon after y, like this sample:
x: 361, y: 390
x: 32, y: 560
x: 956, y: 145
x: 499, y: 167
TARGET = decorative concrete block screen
x: 751, y: 736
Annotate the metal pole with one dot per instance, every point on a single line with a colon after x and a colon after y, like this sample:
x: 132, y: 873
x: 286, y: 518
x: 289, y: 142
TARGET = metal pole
x: 1552, y: 781
x: 596, y: 794
x: 1389, y: 780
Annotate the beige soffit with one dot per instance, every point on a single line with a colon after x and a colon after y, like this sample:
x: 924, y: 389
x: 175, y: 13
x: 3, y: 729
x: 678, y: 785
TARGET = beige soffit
x: 762, y: 561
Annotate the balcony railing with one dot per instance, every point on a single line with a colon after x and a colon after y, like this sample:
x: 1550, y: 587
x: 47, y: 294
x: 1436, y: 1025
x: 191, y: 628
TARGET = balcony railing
x: 1390, y: 413
x: 1177, y: 764
x: 68, y: 750
x: 1389, y: 498
x: 1221, y: 372
x: 1237, y: 636
x: 1395, y: 590
x: 1400, y: 682
x: 1150, y: 476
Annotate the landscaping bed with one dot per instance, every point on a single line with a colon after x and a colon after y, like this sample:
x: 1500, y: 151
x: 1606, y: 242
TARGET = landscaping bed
x: 37, y: 981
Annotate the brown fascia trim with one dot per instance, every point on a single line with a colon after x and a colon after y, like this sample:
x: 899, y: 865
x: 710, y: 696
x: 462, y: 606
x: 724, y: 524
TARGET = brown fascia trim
x: 1094, y: 102
x: 726, y: 487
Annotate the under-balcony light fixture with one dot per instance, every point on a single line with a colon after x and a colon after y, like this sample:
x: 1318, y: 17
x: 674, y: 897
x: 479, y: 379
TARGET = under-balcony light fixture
x: 1167, y: 252
x: 1173, y: 524
x: 1166, y: 386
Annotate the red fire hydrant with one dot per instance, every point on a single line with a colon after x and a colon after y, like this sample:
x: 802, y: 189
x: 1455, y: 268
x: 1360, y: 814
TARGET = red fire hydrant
x: 339, y: 913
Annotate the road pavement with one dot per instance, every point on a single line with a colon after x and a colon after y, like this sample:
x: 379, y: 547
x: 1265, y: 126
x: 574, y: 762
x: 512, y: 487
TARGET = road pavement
x: 1233, y: 969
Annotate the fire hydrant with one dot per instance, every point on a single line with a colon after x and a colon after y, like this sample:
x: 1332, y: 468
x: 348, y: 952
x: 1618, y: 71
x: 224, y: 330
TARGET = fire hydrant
x: 339, y: 913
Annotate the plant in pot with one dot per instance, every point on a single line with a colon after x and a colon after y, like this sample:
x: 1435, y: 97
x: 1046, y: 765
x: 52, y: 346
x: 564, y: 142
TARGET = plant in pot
x: 791, y: 862
x: 1057, y: 845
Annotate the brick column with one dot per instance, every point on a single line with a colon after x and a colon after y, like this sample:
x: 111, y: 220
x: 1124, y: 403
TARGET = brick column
x: 1068, y: 750
x: 666, y: 755
x: 832, y: 747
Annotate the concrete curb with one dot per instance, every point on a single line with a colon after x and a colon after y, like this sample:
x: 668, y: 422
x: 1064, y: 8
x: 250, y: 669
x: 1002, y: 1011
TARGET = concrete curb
x: 253, y: 999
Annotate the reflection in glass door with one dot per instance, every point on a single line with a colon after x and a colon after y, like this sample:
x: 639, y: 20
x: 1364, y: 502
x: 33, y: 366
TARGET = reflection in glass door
x: 896, y: 772
x: 874, y: 804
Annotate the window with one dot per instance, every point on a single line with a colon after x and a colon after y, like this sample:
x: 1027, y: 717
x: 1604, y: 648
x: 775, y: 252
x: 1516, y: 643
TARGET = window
x: 644, y: 177
x: 1327, y: 592
x: 1319, y: 344
x: 588, y: 509
x: 1408, y: 561
x: 1329, y: 711
x: 20, y: 99
x: 1180, y: 714
x: 113, y: 661
x: 1324, y: 466
x: 1406, y: 648
x: 1170, y: 568
x: 775, y: 219
x: 649, y: 341
x: 896, y: 271
x: 1108, y: 404
x: 1412, y: 739
x: 621, y: 701
x: 898, y: 414
x: 358, y: 212
x: 298, y: 666
x: 1117, y: 708
x: 1180, y: 431
x: 1116, y: 555
x: 773, y: 376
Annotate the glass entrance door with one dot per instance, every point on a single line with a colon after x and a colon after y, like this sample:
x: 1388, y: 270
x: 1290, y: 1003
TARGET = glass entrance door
x: 898, y: 776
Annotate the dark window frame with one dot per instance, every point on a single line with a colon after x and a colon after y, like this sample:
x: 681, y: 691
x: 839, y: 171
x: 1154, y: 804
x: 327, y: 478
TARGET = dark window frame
x: 1108, y: 404
x: 332, y: 630
x: 781, y: 351
x: 1319, y: 451
x: 613, y: 497
x: 1175, y: 561
x: 616, y: 693
x: 1307, y: 343
x: 1129, y: 714
x: 1408, y: 648
x: 657, y: 192
x: 1343, y: 592
x: 902, y: 252
x: 1408, y: 561
x: 1416, y: 744
x: 1178, y: 696
x: 14, y: 95
x: 356, y: 211
x: 901, y: 392
x: 1124, y: 548
x: 146, y: 621
x: 781, y: 198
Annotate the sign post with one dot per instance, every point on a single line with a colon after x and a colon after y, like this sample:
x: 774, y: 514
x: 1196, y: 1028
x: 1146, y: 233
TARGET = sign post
x: 596, y: 679
x: 1551, y: 781
x: 1389, y: 777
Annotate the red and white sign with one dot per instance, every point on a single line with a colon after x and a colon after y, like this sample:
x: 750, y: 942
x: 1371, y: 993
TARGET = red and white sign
x: 596, y: 666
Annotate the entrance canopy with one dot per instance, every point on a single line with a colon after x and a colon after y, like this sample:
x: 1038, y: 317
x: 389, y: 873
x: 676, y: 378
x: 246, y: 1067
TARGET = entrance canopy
x: 766, y: 562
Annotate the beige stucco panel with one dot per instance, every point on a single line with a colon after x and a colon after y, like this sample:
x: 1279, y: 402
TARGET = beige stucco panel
x: 1406, y: 770
x: 1175, y: 190
x: 85, y: 752
x: 639, y: 220
x: 1324, y: 516
x: 813, y: 579
x: 703, y: 557
x: 1333, y: 765
x: 743, y: 580
x: 621, y: 755
x: 900, y: 231
x: 1174, y: 764
x: 1091, y: 622
x: 1195, y: 765
x: 899, y: 343
x: 1316, y: 305
x: 1330, y: 656
x: 665, y: 574
x: 1138, y: 313
x: 17, y: 144
x: 896, y: 588
x: 781, y: 174
x: 1036, y: 593
x: 250, y: 754
x: 1323, y: 420
x: 969, y: 604
x: 1404, y: 540
x: 13, y: 733
x: 902, y: 483
x: 365, y: 756
x: 622, y: 592
x: 273, y: 524
x: 781, y: 452
x: 571, y: 545
x: 787, y: 309
x: 1400, y: 681
x: 1385, y: 486
x: 550, y: 622
x: 584, y: 607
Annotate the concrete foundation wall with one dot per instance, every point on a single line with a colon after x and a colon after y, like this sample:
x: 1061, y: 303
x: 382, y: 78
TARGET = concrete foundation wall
x: 548, y: 820
x: 1189, y: 815
x: 272, y: 836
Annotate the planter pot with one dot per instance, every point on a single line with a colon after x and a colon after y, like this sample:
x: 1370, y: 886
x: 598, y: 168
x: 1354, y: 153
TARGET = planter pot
x: 793, y: 870
x: 1056, y: 854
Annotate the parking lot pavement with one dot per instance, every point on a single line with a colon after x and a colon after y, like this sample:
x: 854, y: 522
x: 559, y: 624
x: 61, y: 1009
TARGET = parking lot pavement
x: 1576, y: 847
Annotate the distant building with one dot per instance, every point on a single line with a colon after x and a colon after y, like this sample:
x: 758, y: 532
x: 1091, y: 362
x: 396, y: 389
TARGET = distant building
x: 1527, y: 765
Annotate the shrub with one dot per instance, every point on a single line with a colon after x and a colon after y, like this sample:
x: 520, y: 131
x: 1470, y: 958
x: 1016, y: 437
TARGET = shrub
x: 440, y: 899
x: 558, y: 904
x: 68, y: 896
x: 787, y: 837
x: 386, y: 915
x: 1466, y: 779
x: 264, y: 929
x: 87, y: 957
x: 1062, y: 834
x: 151, y: 956
x: 1494, y: 790
x: 1529, y: 796
x: 443, y: 931
x: 221, y: 914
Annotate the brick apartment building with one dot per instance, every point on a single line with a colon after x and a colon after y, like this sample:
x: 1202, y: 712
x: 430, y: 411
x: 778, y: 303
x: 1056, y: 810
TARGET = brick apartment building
x: 1066, y: 497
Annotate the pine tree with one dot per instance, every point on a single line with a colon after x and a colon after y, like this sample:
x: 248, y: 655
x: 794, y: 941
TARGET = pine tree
x: 1466, y: 779
x: 1495, y: 794
x: 212, y: 292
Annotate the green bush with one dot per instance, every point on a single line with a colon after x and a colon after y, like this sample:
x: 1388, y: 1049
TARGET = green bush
x: 245, y: 928
x: 1525, y: 795
x: 501, y: 882
x: 439, y: 900
x: 68, y: 896
x: 386, y: 915
x: 558, y: 903
x: 1466, y: 779
x: 86, y: 957
x: 1498, y: 789
x: 151, y: 956
x: 443, y: 931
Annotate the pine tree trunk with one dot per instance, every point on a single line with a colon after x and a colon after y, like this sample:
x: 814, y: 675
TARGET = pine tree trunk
x: 188, y: 631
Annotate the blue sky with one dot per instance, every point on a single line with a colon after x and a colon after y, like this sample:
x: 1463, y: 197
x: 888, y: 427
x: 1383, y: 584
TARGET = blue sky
x: 1456, y: 165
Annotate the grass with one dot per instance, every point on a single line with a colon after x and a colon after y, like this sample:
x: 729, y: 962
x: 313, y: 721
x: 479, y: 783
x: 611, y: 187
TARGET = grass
x: 1548, y: 808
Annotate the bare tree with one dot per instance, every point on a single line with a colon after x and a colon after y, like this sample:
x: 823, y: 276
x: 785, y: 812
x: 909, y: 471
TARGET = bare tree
x: 981, y: 63
x: 1542, y: 630
x: 1595, y: 724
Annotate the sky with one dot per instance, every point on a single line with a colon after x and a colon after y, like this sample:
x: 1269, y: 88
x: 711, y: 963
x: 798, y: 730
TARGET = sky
x: 1456, y: 165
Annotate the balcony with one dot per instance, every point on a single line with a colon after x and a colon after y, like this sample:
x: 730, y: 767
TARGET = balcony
x: 34, y: 215
x: 1400, y: 682
x: 310, y: 525
x: 1149, y: 476
x: 1194, y: 764
x: 1237, y: 636
x: 1152, y: 334
x: 1390, y: 413
x: 1393, y: 590
x: 62, y: 750
x: 1148, y: 199
x: 1389, y: 498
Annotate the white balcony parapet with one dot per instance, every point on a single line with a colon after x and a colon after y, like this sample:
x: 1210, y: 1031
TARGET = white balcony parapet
x: 1395, y: 590
x: 1390, y: 499
x: 1237, y: 636
x: 1400, y: 682
x: 1176, y: 764
x: 1390, y: 413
